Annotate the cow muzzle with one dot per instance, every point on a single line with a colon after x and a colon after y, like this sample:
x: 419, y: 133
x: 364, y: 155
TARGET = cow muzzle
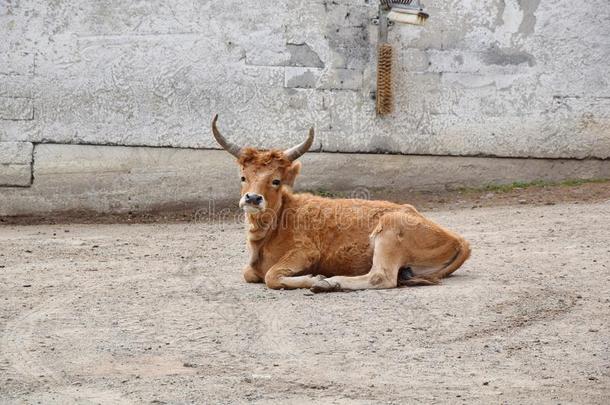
x: 252, y: 202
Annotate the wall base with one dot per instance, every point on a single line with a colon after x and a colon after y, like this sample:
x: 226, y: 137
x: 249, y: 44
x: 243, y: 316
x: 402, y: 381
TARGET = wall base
x: 118, y: 179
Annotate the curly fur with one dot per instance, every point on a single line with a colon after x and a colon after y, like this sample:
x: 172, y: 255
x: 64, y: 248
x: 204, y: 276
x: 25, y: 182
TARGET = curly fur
x: 252, y: 156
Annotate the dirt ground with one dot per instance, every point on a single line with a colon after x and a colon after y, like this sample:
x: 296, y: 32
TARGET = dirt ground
x: 157, y: 313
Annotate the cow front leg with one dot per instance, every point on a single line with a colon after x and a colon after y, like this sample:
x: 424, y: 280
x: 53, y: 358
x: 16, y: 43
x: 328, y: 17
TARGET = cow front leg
x: 288, y: 271
x: 251, y: 276
x: 293, y: 282
x: 372, y: 280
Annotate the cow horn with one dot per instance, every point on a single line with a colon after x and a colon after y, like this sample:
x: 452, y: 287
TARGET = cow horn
x: 232, y: 148
x: 296, y: 151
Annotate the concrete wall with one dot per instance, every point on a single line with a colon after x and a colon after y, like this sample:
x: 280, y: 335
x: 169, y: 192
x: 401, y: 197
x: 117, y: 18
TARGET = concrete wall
x: 511, y: 78
x: 121, y: 179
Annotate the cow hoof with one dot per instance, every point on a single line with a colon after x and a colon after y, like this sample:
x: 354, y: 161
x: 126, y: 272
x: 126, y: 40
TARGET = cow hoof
x: 325, y: 286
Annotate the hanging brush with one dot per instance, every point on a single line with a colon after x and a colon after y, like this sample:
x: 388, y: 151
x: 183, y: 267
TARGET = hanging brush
x: 402, y: 11
x: 385, y: 53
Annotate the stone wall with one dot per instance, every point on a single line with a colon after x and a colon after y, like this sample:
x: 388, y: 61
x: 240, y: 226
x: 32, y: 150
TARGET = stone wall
x: 510, y: 78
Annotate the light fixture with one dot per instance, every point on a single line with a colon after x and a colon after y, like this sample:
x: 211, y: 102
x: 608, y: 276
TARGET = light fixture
x: 407, y: 12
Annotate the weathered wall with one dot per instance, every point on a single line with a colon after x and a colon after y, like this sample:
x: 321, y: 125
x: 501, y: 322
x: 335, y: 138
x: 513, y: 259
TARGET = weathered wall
x: 121, y: 179
x: 516, y: 78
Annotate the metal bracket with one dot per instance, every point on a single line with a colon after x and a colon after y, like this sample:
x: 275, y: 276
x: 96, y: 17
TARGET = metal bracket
x: 383, y: 24
x: 375, y: 21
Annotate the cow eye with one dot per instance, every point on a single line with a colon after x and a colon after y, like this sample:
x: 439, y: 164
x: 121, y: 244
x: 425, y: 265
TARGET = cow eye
x: 275, y: 182
x: 243, y: 178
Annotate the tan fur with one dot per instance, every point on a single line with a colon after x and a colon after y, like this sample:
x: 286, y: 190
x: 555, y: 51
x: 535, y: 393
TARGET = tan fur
x: 358, y: 244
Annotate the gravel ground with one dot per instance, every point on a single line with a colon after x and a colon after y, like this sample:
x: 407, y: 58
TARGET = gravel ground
x: 158, y: 313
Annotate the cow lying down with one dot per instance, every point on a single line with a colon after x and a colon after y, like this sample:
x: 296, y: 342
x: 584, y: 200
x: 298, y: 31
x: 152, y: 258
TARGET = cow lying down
x: 306, y: 241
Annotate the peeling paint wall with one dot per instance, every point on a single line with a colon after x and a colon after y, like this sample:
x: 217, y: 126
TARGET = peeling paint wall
x: 496, y: 77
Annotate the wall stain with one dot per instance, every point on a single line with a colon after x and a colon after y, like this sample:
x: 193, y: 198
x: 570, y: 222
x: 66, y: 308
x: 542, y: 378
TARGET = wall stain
x: 507, y: 56
x: 528, y: 23
x: 302, y: 55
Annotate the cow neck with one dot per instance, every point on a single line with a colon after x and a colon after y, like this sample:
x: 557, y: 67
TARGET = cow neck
x: 259, y: 232
x: 261, y: 226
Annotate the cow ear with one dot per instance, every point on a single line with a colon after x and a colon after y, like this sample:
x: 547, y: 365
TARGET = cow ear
x: 291, y: 174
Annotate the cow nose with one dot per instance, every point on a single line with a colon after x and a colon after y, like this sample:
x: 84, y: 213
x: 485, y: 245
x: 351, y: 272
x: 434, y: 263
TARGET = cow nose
x: 252, y: 198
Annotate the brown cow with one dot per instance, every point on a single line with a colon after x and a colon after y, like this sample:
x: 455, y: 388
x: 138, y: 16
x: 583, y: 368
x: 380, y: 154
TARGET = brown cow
x: 298, y: 240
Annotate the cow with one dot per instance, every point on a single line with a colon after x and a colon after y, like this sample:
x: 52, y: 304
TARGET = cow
x: 300, y: 240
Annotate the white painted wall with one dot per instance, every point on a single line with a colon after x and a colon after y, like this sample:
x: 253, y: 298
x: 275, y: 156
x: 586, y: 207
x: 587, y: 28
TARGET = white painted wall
x: 520, y: 78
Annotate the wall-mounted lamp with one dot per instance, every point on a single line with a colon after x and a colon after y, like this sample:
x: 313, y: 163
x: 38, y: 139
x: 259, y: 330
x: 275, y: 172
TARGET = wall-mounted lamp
x: 407, y: 12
